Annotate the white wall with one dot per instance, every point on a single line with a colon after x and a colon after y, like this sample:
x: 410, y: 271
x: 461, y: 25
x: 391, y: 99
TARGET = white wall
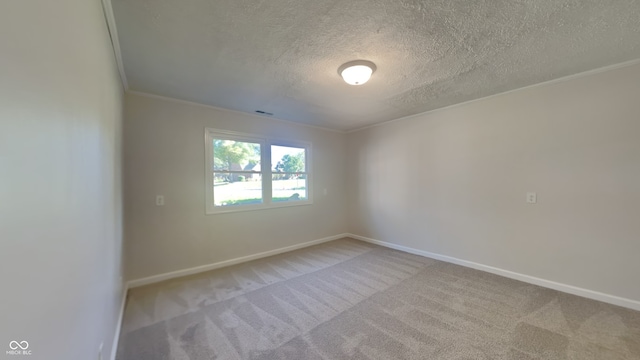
x: 453, y: 182
x: 164, y: 155
x: 60, y: 183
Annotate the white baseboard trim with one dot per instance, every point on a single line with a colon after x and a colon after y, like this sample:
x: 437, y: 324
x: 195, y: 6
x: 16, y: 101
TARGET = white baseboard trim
x: 114, y: 345
x: 198, y: 269
x: 590, y: 294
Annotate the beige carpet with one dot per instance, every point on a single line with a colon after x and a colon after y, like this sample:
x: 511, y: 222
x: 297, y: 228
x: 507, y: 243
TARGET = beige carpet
x: 351, y: 300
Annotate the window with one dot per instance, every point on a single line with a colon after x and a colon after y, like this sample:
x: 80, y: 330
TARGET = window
x: 289, y: 175
x: 246, y: 172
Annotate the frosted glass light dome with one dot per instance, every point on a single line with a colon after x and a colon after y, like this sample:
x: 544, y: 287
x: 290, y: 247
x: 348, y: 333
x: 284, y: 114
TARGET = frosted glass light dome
x: 357, y: 72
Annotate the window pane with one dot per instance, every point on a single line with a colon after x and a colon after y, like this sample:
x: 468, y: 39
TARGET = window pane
x: 289, y: 187
x: 231, y: 189
x: 287, y: 159
x: 233, y: 155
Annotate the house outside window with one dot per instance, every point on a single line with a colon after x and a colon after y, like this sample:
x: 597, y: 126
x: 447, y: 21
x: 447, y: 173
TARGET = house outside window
x: 237, y: 180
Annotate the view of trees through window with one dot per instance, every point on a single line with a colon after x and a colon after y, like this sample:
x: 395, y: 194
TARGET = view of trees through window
x: 289, y: 177
x: 237, y: 173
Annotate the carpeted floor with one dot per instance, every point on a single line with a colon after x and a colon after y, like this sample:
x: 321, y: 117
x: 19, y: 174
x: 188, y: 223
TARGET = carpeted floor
x: 351, y: 300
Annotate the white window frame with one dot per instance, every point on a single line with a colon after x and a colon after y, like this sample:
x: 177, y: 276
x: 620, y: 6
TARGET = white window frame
x: 265, y: 167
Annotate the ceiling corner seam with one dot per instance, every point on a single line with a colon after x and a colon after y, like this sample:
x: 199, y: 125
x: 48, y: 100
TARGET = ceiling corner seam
x: 115, y: 42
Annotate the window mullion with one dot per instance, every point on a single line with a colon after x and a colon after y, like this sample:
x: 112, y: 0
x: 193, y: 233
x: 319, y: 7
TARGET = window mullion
x: 267, y: 190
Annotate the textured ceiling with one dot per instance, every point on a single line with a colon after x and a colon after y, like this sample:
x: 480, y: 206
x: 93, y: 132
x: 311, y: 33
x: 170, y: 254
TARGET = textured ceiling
x: 282, y: 56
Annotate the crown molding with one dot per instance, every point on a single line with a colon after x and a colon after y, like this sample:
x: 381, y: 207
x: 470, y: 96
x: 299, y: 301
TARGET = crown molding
x: 115, y: 42
x: 544, y: 83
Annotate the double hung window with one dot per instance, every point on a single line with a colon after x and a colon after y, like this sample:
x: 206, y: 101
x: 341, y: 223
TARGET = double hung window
x: 247, y: 172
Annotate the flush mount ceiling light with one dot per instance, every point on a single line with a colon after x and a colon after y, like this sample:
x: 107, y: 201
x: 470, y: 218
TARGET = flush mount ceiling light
x: 357, y: 72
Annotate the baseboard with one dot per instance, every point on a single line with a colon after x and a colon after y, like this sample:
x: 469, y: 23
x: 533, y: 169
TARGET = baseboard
x: 198, y: 269
x: 114, y: 346
x: 590, y: 294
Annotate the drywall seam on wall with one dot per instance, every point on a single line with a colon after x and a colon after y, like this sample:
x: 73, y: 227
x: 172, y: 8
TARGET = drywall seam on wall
x: 198, y: 269
x: 590, y: 294
x: 545, y: 83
